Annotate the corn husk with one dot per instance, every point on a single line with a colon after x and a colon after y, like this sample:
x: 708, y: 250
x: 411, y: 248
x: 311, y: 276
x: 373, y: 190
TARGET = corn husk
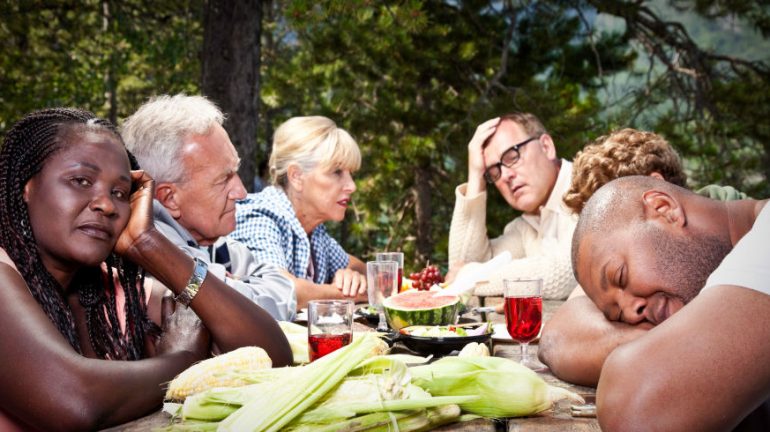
x: 276, y: 407
x: 297, y: 337
x: 506, y: 388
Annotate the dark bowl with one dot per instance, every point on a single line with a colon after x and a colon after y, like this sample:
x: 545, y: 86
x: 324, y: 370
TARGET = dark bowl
x: 371, y: 318
x: 441, y: 345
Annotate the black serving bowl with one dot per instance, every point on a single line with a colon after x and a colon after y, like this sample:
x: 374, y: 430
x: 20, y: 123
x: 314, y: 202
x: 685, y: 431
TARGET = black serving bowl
x: 441, y: 345
x: 371, y: 317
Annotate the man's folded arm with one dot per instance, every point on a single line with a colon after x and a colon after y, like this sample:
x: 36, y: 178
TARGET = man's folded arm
x: 578, y: 338
x: 705, y: 368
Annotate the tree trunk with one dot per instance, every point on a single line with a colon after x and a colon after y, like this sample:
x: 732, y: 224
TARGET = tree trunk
x: 110, y: 82
x: 230, y: 73
x: 423, y: 213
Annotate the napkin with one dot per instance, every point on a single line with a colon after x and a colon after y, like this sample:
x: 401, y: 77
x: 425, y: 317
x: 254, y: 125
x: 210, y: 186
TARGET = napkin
x: 466, y: 281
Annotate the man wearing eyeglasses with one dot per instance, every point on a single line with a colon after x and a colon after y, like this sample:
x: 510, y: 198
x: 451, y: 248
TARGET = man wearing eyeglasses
x: 515, y: 153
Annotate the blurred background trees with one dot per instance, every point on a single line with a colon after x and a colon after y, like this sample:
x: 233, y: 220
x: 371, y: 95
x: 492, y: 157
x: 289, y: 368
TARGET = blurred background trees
x: 411, y: 80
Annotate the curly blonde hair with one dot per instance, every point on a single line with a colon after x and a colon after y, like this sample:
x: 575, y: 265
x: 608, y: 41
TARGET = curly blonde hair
x: 621, y: 153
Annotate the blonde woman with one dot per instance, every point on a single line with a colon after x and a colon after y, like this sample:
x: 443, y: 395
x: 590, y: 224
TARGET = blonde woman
x: 311, y: 180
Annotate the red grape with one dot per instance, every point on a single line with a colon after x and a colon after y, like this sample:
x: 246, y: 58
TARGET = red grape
x: 426, y: 278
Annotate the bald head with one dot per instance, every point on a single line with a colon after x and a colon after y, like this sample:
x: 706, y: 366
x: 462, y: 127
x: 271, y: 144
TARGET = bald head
x: 646, y: 247
x: 618, y: 205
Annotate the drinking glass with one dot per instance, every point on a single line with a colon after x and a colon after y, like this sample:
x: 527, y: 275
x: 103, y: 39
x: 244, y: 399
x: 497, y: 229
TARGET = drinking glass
x: 381, y: 278
x: 329, y: 326
x: 397, y: 257
x: 523, y: 314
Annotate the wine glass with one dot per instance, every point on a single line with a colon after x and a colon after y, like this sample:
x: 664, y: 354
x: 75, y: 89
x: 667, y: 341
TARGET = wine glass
x: 381, y: 279
x: 523, y: 314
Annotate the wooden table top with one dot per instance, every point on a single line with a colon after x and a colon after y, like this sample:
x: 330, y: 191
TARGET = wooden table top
x: 558, y: 419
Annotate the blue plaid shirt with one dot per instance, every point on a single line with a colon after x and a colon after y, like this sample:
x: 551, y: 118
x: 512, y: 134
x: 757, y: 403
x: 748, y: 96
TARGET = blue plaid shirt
x: 267, y: 224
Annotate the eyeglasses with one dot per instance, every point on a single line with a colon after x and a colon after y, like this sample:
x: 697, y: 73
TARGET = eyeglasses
x: 508, y: 158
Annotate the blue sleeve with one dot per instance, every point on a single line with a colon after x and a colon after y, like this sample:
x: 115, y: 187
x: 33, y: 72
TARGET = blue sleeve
x: 337, y: 257
x: 262, y: 235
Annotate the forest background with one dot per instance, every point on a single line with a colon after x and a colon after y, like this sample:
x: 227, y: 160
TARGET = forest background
x: 410, y: 80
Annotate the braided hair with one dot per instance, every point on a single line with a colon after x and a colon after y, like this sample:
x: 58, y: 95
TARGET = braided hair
x: 28, y: 145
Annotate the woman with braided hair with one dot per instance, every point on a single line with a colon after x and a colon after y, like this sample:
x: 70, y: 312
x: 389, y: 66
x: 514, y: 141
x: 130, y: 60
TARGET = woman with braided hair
x: 76, y: 231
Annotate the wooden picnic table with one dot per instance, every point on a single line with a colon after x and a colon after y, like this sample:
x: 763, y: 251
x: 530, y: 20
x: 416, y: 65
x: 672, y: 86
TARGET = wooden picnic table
x: 558, y: 419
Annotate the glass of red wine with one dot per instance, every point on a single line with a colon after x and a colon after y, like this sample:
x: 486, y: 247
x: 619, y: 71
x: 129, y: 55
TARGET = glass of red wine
x: 524, y: 314
x: 329, y: 326
x: 381, y: 279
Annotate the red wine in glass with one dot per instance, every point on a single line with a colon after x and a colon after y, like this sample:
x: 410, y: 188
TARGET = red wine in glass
x: 322, y: 344
x: 523, y: 316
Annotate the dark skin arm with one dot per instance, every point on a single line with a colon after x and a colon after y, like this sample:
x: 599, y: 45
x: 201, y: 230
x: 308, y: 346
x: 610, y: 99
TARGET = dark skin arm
x: 49, y: 386
x: 232, y: 319
x: 704, y: 369
x: 578, y: 338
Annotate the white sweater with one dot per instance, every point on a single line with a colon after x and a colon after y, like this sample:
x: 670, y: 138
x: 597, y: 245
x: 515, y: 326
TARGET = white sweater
x: 540, y: 244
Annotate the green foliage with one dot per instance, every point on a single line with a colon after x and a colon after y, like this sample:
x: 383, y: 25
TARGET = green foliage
x: 412, y: 80
x: 107, y: 57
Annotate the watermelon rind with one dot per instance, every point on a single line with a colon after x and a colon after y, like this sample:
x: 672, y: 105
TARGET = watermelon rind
x: 399, y: 317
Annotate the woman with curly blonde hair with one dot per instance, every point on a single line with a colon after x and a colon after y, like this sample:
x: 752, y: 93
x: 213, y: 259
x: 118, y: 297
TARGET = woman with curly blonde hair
x: 622, y: 153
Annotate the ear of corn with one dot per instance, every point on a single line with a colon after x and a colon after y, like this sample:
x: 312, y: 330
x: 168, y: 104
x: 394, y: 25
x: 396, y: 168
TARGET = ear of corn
x: 508, y: 388
x: 474, y: 349
x: 221, y: 371
x: 272, y: 410
x: 297, y: 336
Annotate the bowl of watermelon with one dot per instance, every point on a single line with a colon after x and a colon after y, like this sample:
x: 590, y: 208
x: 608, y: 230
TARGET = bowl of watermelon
x: 421, y: 308
x: 442, y: 340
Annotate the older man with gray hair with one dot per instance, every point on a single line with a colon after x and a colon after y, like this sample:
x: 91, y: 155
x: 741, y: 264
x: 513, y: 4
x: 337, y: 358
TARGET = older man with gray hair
x: 179, y: 140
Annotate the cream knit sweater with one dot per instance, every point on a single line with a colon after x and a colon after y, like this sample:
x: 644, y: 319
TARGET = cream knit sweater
x: 540, y: 244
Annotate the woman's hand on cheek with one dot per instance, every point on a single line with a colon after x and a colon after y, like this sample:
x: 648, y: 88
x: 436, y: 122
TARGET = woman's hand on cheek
x: 141, y: 211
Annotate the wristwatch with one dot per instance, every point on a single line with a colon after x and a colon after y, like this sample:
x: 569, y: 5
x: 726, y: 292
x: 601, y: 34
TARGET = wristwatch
x: 194, y: 284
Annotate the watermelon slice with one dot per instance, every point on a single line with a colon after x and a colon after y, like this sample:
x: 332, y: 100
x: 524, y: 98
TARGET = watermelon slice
x: 420, y: 308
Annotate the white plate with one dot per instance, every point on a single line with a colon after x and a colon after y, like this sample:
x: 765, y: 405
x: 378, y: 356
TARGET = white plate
x: 301, y: 315
x: 500, y: 333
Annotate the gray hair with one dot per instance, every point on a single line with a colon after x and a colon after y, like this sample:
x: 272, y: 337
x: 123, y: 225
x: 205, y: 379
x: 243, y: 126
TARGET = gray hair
x: 156, y: 132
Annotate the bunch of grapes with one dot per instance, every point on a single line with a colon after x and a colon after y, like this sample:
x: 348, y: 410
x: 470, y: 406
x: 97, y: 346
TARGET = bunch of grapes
x: 426, y: 278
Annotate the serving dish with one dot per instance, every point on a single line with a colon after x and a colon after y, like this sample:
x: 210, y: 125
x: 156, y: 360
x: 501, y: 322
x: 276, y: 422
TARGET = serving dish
x: 445, y: 344
x: 369, y: 313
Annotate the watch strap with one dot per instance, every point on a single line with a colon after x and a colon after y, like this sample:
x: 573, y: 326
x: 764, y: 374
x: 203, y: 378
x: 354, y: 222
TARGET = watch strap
x: 194, y: 284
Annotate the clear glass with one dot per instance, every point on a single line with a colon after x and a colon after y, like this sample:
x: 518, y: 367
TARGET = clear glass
x: 329, y: 326
x: 381, y: 279
x: 398, y: 257
x: 524, y: 315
